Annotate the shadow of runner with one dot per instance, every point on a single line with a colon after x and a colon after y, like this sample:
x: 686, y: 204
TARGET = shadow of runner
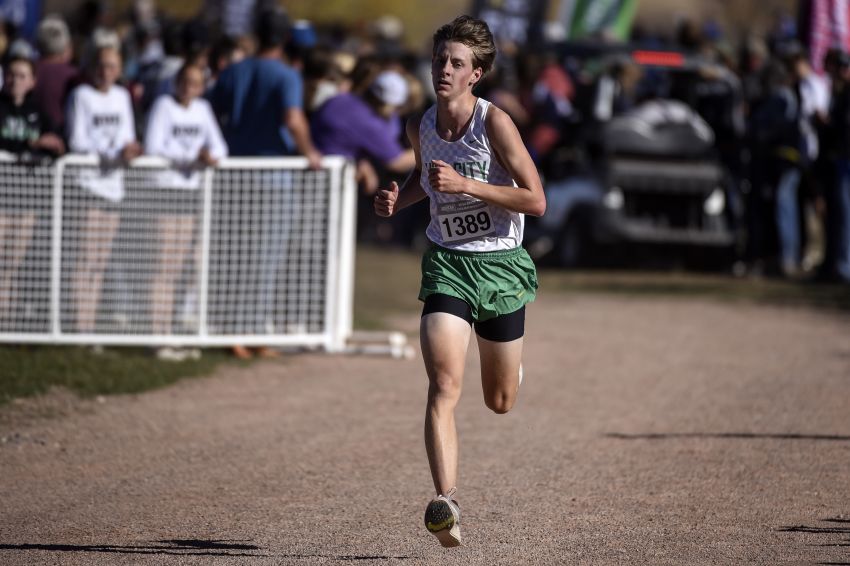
x: 189, y: 547
x: 364, y: 557
x: 192, y: 547
x: 830, y: 530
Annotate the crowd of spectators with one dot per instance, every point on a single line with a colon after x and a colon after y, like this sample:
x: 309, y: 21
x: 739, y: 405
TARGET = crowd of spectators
x: 254, y: 82
x: 242, y: 84
x: 780, y: 129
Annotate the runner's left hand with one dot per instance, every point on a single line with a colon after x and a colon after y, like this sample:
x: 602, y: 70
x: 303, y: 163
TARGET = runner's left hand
x: 444, y: 178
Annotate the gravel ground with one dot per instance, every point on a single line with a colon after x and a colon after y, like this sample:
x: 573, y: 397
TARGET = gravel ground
x: 648, y: 431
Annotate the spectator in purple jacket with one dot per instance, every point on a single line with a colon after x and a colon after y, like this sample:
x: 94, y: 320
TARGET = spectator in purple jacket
x: 366, y: 128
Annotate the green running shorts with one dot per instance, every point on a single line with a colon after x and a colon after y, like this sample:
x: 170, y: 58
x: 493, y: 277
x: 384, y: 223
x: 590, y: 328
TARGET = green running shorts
x: 492, y: 283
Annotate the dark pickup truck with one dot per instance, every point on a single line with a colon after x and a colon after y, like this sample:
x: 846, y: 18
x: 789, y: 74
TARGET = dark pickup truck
x: 650, y: 174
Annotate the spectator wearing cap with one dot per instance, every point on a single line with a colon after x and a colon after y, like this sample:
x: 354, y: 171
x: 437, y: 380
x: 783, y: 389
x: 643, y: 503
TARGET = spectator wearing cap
x: 55, y: 76
x: 301, y: 41
x: 366, y: 126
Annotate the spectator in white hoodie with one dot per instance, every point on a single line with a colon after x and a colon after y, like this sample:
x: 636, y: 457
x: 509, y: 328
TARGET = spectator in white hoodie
x: 100, y: 121
x: 183, y: 129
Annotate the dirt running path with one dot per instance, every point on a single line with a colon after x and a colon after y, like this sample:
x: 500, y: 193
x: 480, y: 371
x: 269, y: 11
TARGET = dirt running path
x: 647, y: 432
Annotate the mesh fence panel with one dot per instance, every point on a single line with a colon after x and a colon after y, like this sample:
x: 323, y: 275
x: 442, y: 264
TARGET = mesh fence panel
x: 26, y: 204
x: 129, y: 265
x: 269, y: 252
x: 247, y: 254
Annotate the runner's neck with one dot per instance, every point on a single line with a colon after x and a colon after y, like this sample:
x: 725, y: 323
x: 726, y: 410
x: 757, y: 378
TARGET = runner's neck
x: 454, y: 117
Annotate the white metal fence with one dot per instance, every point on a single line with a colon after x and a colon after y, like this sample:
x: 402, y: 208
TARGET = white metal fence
x: 257, y: 251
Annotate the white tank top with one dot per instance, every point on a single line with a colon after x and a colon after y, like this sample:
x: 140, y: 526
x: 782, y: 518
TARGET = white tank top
x: 462, y: 222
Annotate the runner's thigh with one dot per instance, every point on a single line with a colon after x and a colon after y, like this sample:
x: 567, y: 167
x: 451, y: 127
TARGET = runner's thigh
x: 500, y: 363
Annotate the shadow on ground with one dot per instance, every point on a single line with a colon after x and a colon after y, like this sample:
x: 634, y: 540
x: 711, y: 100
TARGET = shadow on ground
x: 188, y: 547
x: 835, y: 526
x: 733, y: 435
x: 164, y: 547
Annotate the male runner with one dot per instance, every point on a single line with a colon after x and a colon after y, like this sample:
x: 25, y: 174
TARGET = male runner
x: 473, y: 166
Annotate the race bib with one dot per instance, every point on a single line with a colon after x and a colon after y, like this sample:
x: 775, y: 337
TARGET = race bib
x: 465, y: 220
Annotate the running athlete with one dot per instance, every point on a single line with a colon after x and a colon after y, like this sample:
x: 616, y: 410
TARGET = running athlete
x: 473, y: 166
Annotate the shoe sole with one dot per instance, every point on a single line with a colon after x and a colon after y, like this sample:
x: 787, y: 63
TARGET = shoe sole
x: 449, y: 538
x: 440, y: 522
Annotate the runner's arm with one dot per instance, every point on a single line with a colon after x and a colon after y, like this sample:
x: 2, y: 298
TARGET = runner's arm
x: 390, y: 201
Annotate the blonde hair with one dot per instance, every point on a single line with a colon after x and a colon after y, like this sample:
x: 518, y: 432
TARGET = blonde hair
x: 473, y: 33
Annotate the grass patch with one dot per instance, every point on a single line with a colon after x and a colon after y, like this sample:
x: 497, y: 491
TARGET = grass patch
x: 386, y: 284
x: 32, y: 370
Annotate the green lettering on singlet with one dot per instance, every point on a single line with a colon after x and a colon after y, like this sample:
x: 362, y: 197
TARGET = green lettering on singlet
x: 478, y: 170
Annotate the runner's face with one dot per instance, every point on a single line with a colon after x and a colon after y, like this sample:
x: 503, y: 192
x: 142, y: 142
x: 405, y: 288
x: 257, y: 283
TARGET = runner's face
x: 452, y: 72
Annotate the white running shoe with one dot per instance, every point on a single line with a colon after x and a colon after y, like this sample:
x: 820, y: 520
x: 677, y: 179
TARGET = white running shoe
x: 442, y: 519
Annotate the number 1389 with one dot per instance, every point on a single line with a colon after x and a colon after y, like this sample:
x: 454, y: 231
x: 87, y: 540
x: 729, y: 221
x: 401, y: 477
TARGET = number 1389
x: 462, y: 225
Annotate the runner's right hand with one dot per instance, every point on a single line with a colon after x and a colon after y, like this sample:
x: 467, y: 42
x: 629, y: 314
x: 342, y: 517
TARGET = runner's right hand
x: 385, y: 201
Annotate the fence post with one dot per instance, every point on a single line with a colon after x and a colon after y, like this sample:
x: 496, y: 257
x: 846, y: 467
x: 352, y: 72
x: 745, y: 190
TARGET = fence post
x: 333, y: 260
x: 56, y: 250
x: 206, y: 229
x: 343, y: 325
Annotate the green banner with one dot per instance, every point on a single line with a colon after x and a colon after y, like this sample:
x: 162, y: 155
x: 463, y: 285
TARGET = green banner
x: 609, y: 18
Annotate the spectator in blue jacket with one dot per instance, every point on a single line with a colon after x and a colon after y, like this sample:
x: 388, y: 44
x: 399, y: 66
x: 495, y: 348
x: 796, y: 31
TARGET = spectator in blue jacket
x: 259, y: 104
x: 259, y: 100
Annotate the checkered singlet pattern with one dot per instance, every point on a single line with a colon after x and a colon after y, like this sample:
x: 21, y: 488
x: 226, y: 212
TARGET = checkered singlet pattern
x: 462, y: 222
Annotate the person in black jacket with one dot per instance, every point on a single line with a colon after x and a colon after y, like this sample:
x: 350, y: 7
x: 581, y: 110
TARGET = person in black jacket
x: 777, y: 162
x: 24, y: 129
x: 24, y: 132
x: 840, y: 201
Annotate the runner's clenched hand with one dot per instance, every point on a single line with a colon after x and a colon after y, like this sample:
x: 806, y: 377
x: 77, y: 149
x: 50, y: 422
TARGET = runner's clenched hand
x: 444, y: 178
x: 385, y: 200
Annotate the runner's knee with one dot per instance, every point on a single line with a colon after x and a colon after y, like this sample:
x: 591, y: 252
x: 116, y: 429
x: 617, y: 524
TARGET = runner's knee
x: 500, y: 402
x: 444, y: 387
